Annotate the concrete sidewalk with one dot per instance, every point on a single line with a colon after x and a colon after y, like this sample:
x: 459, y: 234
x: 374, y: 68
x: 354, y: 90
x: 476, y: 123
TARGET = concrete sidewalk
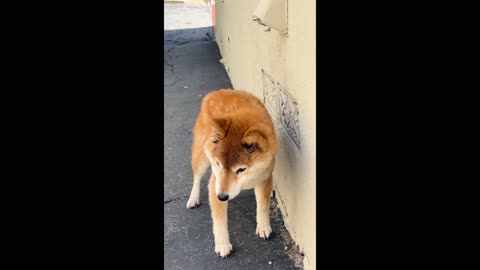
x: 192, y: 70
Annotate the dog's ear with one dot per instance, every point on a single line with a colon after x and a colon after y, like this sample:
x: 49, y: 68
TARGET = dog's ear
x: 220, y: 127
x: 221, y: 124
x: 254, y: 140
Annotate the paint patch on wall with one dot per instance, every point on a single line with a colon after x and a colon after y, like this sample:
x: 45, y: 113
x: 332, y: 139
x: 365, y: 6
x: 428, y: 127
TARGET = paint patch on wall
x: 283, y: 108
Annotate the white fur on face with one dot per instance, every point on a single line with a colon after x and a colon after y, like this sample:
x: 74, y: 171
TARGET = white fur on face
x: 216, y: 171
x: 234, y: 190
x: 251, y: 177
x: 256, y: 174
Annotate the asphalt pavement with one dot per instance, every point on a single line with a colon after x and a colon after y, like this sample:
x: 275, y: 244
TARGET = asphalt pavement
x: 192, y: 70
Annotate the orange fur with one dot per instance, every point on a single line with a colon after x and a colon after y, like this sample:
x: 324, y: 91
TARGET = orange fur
x: 234, y: 134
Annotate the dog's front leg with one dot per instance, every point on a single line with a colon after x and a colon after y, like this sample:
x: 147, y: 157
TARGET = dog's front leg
x: 220, y: 221
x: 262, y: 195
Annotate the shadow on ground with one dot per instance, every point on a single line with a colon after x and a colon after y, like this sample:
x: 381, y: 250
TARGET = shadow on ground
x: 183, y: 36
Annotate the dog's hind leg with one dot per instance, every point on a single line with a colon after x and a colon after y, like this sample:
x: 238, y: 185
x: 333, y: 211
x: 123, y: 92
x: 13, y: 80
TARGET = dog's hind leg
x: 262, y: 196
x: 199, y: 166
x: 223, y: 247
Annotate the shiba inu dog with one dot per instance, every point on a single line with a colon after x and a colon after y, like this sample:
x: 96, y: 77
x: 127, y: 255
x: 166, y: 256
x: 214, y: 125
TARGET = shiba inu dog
x: 234, y: 134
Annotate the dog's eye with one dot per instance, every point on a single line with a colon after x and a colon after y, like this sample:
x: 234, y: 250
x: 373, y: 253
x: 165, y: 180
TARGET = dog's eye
x: 217, y: 163
x: 249, y: 147
x: 240, y: 170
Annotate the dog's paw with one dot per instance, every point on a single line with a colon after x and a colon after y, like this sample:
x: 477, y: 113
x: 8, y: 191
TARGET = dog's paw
x: 193, y: 202
x: 223, y: 250
x: 263, y: 231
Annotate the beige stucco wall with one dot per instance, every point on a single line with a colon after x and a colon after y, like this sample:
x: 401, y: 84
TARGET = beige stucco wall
x: 289, y: 61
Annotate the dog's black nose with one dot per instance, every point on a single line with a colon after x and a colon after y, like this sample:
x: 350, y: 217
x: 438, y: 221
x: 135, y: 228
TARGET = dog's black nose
x: 222, y: 196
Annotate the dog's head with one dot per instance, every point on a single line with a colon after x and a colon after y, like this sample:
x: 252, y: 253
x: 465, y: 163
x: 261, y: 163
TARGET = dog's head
x: 241, y: 150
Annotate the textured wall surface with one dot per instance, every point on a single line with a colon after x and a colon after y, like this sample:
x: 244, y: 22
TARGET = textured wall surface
x: 280, y: 69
